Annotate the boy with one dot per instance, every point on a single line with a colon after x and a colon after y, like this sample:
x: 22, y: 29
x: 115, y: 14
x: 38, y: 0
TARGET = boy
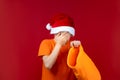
x: 59, y: 58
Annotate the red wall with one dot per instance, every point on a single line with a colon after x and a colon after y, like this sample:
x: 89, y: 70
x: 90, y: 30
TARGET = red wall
x: 22, y: 27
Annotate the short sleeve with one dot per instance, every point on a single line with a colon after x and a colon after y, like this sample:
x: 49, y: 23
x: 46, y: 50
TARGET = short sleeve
x: 45, y: 48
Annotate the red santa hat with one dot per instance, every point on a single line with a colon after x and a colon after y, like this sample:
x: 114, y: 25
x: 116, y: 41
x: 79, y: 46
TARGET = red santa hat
x: 61, y: 22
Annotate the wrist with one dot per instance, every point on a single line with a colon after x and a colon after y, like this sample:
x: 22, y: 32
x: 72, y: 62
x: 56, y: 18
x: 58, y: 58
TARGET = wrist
x: 58, y: 45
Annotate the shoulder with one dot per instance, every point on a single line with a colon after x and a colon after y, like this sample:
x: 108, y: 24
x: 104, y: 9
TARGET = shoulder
x: 47, y: 41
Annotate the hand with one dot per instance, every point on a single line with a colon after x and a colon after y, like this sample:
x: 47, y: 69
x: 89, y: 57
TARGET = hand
x: 75, y: 43
x: 62, y: 38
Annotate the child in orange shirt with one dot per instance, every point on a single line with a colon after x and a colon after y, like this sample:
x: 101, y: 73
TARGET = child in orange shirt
x: 60, y: 61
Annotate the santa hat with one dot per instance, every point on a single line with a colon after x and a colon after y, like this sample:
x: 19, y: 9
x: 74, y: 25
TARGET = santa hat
x: 61, y: 22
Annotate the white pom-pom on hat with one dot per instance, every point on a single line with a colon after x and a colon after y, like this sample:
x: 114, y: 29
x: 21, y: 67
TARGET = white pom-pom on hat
x: 48, y: 26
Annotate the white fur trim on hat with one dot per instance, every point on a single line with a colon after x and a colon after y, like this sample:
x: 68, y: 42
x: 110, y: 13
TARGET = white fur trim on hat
x: 70, y: 29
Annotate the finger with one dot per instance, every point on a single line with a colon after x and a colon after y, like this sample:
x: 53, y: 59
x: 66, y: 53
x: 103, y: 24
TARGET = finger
x: 58, y: 34
x: 64, y: 33
x: 76, y: 43
x: 72, y: 44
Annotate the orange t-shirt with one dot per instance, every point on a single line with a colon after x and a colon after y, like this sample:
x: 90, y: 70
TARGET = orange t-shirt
x: 60, y: 70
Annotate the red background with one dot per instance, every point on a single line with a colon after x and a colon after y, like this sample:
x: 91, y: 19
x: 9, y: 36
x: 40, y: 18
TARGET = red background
x: 22, y: 27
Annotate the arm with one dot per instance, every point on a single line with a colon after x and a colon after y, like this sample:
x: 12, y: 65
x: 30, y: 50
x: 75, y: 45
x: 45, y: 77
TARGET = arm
x: 50, y: 60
